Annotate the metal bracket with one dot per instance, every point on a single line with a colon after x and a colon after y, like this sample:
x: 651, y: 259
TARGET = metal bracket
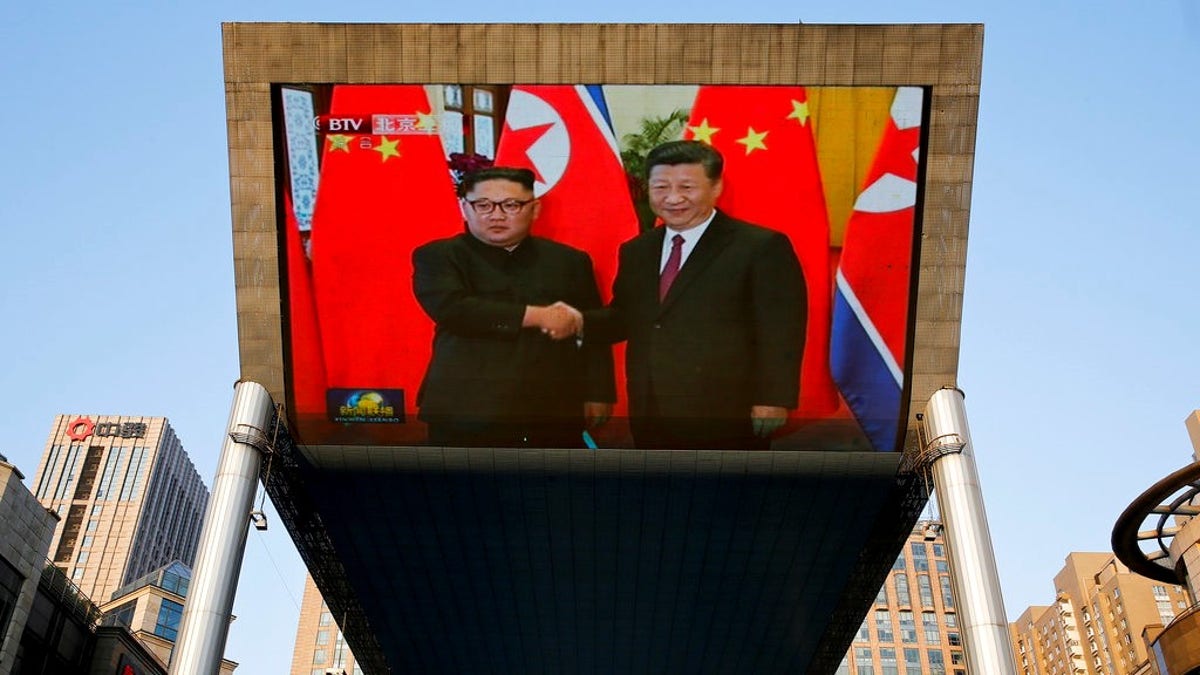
x: 254, y: 437
x: 932, y: 448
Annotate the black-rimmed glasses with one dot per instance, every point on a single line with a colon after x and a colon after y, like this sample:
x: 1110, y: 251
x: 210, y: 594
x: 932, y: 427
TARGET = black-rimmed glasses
x: 509, y: 206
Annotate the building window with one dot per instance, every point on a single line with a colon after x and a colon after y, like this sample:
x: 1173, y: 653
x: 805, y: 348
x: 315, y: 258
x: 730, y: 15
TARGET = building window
x: 937, y: 663
x: 887, y: 661
x: 864, y: 632
x: 902, y: 595
x: 1165, y: 613
x: 475, y: 113
x: 83, y: 557
x: 947, y: 593
x: 908, y: 627
x: 919, y: 556
x: 326, y: 619
x: 939, y: 551
x: 10, y: 587
x: 930, y: 623
x: 862, y: 661
x: 883, y: 625
x: 322, y: 637
x: 169, y: 615
x: 954, y: 639
x: 320, y: 655
x: 912, y: 661
x: 925, y: 590
x: 121, y: 616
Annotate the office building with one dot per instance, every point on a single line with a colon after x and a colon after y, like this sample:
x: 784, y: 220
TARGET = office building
x: 320, y: 647
x: 151, y: 608
x: 128, y: 498
x: 1097, y: 622
x: 912, y: 629
x: 25, y: 532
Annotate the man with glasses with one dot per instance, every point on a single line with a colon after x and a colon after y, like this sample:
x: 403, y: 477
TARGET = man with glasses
x: 714, y: 312
x: 504, y: 372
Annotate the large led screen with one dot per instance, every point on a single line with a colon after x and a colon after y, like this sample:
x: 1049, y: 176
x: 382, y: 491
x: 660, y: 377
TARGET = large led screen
x: 432, y: 298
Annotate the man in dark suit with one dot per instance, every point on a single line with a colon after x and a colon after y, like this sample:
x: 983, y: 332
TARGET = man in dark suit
x: 503, y: 372
x: 714, y: 312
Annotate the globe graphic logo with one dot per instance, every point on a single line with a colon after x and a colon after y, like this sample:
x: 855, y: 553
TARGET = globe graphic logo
x: 365, y: 402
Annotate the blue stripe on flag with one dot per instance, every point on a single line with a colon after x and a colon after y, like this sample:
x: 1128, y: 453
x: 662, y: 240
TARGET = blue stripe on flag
x: 596, y: 91
x: 863, y: 377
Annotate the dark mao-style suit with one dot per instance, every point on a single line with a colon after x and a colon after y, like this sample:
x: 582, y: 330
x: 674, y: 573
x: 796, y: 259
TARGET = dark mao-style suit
x: 729, y: 335
x: 490, y: 381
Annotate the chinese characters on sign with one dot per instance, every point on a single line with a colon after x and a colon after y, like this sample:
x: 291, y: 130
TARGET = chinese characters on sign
x: 82, y: 427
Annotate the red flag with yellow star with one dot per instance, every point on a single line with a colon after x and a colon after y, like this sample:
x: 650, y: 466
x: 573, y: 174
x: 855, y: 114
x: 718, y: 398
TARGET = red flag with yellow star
x: 380, y: 196
x: 772, y: 179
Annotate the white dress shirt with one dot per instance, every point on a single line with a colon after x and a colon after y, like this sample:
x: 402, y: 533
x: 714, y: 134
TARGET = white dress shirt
x: 690, y: 237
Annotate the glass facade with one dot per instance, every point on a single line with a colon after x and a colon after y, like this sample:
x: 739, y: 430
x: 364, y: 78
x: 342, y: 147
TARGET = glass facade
x: 170, y: 613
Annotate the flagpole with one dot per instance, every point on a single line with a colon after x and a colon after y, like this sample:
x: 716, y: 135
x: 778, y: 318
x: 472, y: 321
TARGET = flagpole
x: 946, y: 448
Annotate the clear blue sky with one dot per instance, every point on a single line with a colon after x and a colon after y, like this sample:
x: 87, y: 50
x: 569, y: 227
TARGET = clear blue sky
x: 1079, y: 354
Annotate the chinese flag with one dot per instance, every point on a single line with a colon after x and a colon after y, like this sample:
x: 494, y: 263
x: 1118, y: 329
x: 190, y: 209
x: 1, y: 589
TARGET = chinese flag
x: 562, y: 134
x: 772, y: 179
x: 870, y: 314
x: 380, y: 196
x: 308, y: 362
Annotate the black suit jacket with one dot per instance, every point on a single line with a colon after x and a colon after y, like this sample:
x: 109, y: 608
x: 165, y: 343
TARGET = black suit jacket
x: 485, y: 367
x: 729, y: 334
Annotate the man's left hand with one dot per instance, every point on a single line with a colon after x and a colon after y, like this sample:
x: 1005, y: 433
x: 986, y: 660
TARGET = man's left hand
x: 596, y: 414
x: 767, y: 419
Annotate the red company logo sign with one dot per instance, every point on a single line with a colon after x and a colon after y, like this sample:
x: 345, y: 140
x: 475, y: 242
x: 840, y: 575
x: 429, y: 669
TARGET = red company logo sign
x: 80, y: 428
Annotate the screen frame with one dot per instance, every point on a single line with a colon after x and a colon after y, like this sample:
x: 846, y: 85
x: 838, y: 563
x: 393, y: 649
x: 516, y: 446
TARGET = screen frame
x: 944, y: 58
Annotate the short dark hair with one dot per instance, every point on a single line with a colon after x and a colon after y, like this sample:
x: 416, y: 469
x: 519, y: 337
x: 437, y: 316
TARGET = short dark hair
x: 524, y: 177
x: 687, y: 152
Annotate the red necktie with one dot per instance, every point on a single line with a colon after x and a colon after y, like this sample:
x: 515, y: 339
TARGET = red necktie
x: 671, y: 270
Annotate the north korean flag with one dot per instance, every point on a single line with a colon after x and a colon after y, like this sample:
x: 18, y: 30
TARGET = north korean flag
x: 871, y: 303
x: 563, y: 134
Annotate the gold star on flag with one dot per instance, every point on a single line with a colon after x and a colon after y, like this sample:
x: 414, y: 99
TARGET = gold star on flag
x: 703, y: 133
x: 799, y: 112
x: 426, y: 122
x: 753, y: 140
x: 387, y: 148
x: 340, y: 142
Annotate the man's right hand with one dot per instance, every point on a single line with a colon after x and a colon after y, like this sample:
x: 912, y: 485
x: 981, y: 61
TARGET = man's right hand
x: 558, y: 321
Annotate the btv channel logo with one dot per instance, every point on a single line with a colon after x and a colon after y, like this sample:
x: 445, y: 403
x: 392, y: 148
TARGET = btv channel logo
x: 358, y: 406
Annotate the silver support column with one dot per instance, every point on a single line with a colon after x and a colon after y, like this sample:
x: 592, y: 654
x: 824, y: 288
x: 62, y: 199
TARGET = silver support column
x: 209, y: 605
x: 982, y: 618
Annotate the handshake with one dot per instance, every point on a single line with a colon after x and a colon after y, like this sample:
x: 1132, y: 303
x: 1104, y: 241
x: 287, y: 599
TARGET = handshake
x: 558, y: 321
